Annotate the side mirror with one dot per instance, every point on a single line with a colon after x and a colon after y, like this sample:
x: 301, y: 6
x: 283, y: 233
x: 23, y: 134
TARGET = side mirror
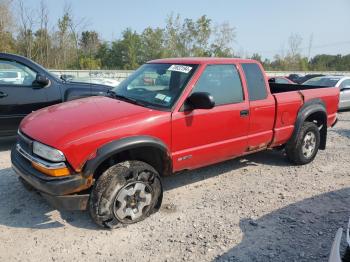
x: 199, y: 100
x: 42, y: 80
x: 272, y: 80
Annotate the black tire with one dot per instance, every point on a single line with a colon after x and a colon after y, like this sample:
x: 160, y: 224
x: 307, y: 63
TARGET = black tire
x: 103, y: 199
x: 295, y: 150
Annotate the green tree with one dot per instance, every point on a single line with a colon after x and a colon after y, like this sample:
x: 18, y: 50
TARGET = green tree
x: 330, y: 62
x: 104, y: 54
x: 257, y: 57
x: 130, y: 49
x: 152, y: 44
x: 174, y: 46
x: 196, y: 35
x: 124, y: 53
x: 89, y: 42
x: 89, y: 63
x: 224, y: 36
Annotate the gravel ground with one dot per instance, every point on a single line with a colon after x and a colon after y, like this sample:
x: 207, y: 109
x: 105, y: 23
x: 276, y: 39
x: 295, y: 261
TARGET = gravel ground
x: 256, y: 208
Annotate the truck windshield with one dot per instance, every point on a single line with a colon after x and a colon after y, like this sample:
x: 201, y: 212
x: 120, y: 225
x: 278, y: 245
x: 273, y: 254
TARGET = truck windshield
x: 156, y: 85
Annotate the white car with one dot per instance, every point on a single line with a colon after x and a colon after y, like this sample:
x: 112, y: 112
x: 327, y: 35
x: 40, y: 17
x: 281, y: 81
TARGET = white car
x: 342, y: 82
x: 12, y: 77
x: 101, y: 81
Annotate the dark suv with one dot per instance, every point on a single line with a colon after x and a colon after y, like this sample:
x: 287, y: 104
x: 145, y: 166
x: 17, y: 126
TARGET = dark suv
x: 26, y: 86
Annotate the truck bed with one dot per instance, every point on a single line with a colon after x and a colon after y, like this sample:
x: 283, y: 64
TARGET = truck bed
x: 290, y: 98
x: 281, y: 88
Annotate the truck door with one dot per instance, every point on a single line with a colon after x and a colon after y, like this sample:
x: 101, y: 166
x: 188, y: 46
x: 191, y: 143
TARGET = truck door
x: 205, y: 136
x: 18, y: 95
x: 262, y: 107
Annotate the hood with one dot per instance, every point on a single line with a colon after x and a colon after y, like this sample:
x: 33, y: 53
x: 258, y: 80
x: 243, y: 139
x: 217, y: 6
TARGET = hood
x: 88, y: 84
x: 90, y: 119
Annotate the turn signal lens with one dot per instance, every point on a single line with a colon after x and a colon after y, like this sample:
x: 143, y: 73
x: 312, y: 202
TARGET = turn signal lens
x: 52, y: 172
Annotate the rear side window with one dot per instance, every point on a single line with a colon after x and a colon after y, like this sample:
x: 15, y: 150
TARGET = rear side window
x: 255, y: 82
x: 222, y: 82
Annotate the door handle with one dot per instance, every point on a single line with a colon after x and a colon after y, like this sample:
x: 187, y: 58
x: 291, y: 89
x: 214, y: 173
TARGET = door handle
x: 244, y: 113
x: 2, y: 95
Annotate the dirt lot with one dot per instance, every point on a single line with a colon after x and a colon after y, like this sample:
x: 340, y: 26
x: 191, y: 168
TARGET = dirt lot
x: 257, y: 208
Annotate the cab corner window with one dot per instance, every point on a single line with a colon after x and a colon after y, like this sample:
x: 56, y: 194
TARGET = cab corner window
x: 255, y: 81
x: 222, y: 82
x: 15, y: 74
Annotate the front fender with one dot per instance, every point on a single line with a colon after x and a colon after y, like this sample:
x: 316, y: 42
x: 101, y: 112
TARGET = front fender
x: 117, y: 146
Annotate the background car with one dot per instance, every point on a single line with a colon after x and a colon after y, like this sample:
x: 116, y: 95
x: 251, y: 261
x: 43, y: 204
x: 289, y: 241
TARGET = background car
x: 343, y: 82
x: 12, y: 77
x: 280, y: 80
x: 101, y: 81
x: 294, y: 77
x: 307, y: 77
x: 26, y: 86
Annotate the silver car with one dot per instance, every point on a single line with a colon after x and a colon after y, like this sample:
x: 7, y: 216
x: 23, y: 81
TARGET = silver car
x: 342, y: 82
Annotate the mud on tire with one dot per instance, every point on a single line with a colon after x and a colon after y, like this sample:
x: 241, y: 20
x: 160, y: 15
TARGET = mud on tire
x: 122, y: 190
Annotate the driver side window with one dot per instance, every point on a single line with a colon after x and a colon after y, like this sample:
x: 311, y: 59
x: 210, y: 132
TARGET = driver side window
x: 222, y: 82
x: 15, y: 74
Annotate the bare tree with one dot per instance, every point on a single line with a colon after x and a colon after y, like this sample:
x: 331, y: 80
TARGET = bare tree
x: 311, y: 40
x: 76, y: 26
x: 224, y: 36
x: 6, y: 19
x: 294, y: 42
x: 27, y: 21
x: 6, y: 26
x: 43, y: 37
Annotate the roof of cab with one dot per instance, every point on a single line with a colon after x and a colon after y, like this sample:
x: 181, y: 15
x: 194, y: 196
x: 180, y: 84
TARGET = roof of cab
x: 201, y: 60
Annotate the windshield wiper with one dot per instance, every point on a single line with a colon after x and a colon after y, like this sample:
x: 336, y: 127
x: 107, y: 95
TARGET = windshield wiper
x: 113, y: 94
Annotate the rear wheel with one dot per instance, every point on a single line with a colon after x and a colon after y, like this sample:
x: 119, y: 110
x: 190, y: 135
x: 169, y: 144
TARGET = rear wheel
x: 305, y: 149
x: 125, y: 193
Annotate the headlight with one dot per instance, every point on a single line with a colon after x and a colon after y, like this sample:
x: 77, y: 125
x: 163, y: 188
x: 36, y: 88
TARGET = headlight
x: 47, y: 152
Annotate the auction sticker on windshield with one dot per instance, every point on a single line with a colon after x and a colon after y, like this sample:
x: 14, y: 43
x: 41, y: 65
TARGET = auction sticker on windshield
x: 180, y: 68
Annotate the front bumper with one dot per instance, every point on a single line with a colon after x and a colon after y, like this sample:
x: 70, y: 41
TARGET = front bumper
x: 59, y: 191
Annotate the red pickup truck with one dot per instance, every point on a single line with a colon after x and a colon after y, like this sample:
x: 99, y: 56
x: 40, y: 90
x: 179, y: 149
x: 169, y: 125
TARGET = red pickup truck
x: 107, y: 154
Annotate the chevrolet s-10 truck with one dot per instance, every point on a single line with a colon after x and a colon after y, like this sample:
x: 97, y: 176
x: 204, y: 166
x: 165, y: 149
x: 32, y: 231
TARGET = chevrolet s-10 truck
x: 107, y: 154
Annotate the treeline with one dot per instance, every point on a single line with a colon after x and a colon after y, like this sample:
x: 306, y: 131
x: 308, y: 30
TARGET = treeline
x: 68, y: 44
x: 298, y: 63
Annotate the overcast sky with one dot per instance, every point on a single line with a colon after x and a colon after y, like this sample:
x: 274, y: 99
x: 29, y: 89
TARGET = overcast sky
x: 261, y: 26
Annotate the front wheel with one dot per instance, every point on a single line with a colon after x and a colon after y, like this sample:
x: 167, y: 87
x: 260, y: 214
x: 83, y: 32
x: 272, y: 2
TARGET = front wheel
x: 305, y: 149
x: 125, y: 193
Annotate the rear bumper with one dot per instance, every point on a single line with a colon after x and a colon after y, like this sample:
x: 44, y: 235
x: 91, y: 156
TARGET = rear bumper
x: 58, y: 191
